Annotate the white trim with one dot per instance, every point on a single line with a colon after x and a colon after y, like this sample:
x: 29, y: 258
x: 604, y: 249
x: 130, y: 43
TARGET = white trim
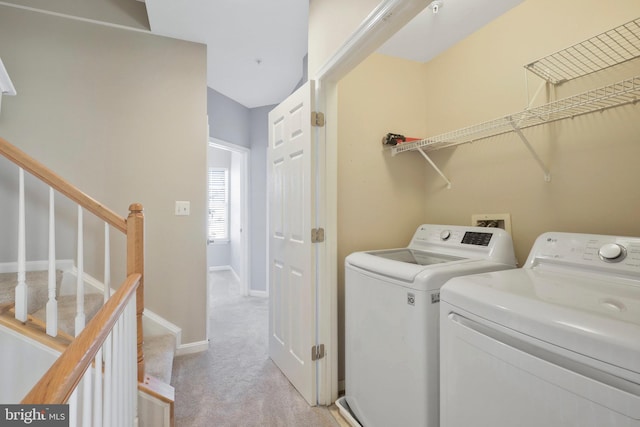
x: 383, y: 22
x: 12, y: 267
x: 387, y: 18
x: 192, y: 347
x: 260, y: 294
x: 219, y: 268
x: 76, y: 18
x: 164, y: 324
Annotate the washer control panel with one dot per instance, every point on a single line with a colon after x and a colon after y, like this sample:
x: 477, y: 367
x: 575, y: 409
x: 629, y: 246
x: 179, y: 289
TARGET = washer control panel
x: 612, y: 253
x: 466, y: 242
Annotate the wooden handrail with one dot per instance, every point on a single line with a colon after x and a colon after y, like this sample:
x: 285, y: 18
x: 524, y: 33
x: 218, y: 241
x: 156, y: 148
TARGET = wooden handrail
x: 57, y: 385
x: 45, y: 174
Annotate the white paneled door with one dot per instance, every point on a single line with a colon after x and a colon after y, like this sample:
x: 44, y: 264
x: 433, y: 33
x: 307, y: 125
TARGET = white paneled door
x: 292, y: 285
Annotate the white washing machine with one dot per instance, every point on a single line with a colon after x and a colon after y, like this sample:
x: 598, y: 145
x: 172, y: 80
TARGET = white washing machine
x: 391, y: 320
x: 555, y: 343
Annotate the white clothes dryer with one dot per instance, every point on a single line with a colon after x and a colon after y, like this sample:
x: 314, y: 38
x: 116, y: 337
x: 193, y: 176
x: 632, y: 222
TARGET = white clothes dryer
x: 555, y: 343
x: 391, y: 320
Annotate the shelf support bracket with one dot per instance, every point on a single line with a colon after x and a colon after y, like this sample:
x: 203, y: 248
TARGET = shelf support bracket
x: 433, y: 165
x: 516, y: 129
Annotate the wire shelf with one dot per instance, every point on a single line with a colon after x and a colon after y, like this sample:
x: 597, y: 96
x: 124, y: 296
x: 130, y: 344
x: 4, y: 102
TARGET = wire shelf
x: 620, y: 93
x: 605, y: 50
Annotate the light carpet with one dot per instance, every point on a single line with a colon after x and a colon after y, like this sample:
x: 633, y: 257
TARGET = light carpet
x: 234, y: 383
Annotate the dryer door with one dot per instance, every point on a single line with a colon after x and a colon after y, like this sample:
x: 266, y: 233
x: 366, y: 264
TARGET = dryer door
x: 492, y: 376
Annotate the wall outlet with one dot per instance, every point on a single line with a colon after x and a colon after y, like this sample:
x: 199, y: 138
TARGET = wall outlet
x: 183, y: 208
x: 492, y: 220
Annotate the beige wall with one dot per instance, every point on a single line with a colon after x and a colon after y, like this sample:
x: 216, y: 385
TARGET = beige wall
x: 120, y: 12
x: 593, y: 158
x: 380, y: 197
x: 122, y: 115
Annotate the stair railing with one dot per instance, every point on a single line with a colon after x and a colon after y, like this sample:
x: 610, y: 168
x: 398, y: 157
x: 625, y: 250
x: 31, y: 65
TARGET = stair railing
x: 132, y: 227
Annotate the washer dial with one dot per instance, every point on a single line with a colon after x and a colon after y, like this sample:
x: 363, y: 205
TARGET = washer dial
x: 612, y: 252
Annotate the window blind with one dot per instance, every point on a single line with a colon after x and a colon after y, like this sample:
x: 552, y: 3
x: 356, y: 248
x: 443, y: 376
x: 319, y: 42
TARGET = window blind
x: 218, y: 179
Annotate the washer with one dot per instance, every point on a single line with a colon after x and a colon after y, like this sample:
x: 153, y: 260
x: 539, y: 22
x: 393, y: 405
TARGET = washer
x: 555, y: 343
x: 391, y: 320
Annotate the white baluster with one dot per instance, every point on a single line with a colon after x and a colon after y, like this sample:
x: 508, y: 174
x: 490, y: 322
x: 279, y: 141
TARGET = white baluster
x: 21, y: 288
x: 121, y: 372
x: 73, y: 408
x: 108, y: 381
x: 97, y: 393
x: 115, y: 391
x: 134, y: 357
x: 131, y: 383
x: 80, y: 317
x: 107, y: 264
x: 52, y: 303
x: 87, y: 395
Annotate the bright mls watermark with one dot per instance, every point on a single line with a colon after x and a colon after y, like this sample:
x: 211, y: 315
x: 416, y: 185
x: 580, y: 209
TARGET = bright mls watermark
x: 34, y: 415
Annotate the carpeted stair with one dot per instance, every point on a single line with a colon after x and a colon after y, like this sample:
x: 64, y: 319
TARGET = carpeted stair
x: 159, y: 350
x: 37, y: 288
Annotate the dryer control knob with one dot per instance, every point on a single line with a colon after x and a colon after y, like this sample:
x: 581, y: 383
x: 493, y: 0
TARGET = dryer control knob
x: 445, y: 234
x: 612, y: 252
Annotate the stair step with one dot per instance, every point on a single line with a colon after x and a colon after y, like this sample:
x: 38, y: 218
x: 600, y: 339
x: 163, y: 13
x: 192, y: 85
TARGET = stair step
x: 67, y: 311
x: 159, y: 351
x: 37, y: 286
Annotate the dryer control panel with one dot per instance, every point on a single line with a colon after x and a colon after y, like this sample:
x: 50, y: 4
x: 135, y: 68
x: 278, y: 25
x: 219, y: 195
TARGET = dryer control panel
x: 615, y: 254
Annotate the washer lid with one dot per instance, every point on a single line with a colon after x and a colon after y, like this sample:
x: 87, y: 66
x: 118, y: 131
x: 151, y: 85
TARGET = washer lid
x: 402, y: 264
x: 595, y: 315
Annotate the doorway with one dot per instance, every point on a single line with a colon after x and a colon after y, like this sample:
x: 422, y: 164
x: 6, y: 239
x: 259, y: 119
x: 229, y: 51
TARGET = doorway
x: 228, y: 206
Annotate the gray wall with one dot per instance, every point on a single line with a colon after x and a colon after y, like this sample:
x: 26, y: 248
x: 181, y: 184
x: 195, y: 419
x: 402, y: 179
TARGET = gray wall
x: 122, y: 115
x: 228, y: 120
x: 234, y: 123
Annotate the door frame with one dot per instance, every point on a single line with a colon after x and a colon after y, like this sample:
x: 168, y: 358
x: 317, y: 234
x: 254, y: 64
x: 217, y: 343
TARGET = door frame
x: 384, y: 21
x: 245, y: 161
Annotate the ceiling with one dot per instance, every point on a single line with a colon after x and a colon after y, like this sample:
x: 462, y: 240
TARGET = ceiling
x: 256, y: 48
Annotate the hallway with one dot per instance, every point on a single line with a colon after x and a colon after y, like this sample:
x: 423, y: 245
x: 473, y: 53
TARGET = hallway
x: 234, y: 383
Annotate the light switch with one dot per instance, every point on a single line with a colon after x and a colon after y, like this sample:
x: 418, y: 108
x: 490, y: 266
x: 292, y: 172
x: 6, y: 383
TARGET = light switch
x: 183, y: 208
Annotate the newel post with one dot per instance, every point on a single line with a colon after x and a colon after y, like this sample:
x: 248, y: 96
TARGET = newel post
x: 135, y: 264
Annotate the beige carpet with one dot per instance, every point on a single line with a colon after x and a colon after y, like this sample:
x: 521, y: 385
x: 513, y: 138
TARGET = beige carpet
x: 235, y: 383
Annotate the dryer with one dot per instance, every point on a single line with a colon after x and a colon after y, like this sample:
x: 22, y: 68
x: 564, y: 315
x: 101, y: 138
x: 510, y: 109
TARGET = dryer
x: 556, y: 343
x: 391, y: 320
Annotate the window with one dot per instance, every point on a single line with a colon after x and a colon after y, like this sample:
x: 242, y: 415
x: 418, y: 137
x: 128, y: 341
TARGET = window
x: 218, y: 204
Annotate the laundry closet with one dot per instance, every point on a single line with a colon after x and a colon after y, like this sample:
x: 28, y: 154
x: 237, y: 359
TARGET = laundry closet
x: 584, y: 174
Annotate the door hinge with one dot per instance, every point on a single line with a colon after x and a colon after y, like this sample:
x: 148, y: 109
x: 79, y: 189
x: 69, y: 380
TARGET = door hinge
x: 317, y: 352
x: 317, y: 235
x: 317, y: 119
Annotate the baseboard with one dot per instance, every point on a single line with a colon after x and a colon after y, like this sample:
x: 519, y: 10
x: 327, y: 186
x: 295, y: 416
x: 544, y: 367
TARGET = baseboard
x: 261, y: 294
x: 192, y: 347
x: 158, y: 324
x: 12, y: 267
x: 225, y: 268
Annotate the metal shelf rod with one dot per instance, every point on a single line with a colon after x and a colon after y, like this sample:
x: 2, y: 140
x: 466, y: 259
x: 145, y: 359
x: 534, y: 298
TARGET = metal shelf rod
x: 433, y: 165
